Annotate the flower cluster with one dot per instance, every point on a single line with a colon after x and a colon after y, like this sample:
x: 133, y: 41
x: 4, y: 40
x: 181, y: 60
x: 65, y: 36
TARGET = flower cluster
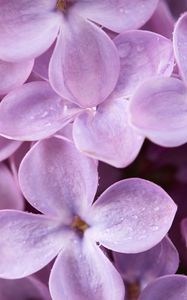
x: 84, y: 214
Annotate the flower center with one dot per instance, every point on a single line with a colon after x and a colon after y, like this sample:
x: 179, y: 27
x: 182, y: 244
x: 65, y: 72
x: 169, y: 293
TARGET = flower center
x: 133, y: 290
x: 61, y: 5
x: 79, y: 224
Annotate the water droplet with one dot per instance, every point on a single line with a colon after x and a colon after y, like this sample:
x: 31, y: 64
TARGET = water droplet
x: 154, y: 227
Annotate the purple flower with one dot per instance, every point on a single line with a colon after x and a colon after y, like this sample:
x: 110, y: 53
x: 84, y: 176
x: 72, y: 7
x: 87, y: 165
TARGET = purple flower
x: 100, y: 131
x: 7, y: 147
x: 138, y: 270
x: 131, y: 216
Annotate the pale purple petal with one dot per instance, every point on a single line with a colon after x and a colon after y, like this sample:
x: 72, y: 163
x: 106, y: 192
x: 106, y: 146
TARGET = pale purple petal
x: 184, y: 230
x: 14, y: 74
x: 146, y: 266
x: 132, y: 216
x: 7, y: 147
x: 82, y: 272
x: 180, y: 45
x: 57, y: 179
x: 172, y: 287
x: 162, y: 20
x: 105, y: 134
x: 117, y: 15
x: 24, y: 289
x: 33, y: 111
x: 28, y: 242
x: 158, y: 109
x: 10, y: 196
x: 41, y: 64
x: 79, y: 69
x: 143, y: 54
x: 27, y: 28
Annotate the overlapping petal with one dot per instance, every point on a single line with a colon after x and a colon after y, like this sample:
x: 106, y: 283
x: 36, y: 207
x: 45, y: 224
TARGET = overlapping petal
x: 180, y: 45
x: 10, y: 196
x: 27, y: 28
x: 148, y: 265
x: 105, y: 134
x: 173, y: 287
x: 28, y: 242
x: 57, y: 179
x: 158, y: 109
x: 83, y: 272
x: 143, y: 54
x: 13, y: 74
x: 24, y: 289
x: 7, y: 147
x: 132, y: 216
x: 33, y: 111
x: 117, y: 15
x: 84, y: 67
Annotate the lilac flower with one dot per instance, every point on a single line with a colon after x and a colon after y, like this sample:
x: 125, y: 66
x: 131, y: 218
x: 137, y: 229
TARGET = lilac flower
x: 173, y: 287
x: 101, y: 131
x: 23, y: 289
x: 138, y: 270
x: 131, y: 216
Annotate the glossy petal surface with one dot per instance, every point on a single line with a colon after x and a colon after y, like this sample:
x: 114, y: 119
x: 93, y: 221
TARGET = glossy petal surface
x: 158, y: 109
x: 106, y: 134
x: 173, y: 287
x: 10, y: 196
x: 83, y: 272
x: 117, y: 15
x: 28, y: 242
x: 148, y: 265
x: 27, y: 28
x: 143, y: 54
x: 57, y: 179
x: 132, y: 216
x: 32, y: 112
x: 14, y: 74
x: 180, y: 45
x: 79, y: 69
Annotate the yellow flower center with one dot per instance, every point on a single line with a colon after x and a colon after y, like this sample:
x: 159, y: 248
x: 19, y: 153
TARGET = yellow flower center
x: 133, y: 290
x: 61, y: 5
x: 79, y: 224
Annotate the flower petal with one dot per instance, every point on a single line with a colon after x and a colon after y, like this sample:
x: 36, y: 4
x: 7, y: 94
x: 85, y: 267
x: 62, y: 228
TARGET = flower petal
x: 106, y: 134
x: 41, y: 64
x: 28, y: 242
x: 143, y: 54
x: 79, y: 68
x: 148, y: 265
x: 117, y: 15
x: 83, y: 272
x: 57, y: 179
x: 7, y: 147
x: 132, y: 216
x: 27, y: 29
x: 14, y: 74
x: 10, y: 196
x: 173, y: 287
x: 24, y: 289
x: 180, y: 45
x: 32, y: 112
x: 158, y: 109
